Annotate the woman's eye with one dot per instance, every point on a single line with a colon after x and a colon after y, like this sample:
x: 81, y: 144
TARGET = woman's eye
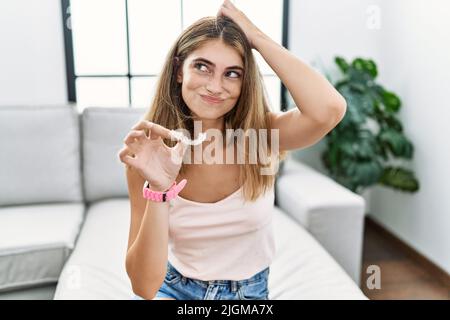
x: 197, y: 65
x: 237, y: 74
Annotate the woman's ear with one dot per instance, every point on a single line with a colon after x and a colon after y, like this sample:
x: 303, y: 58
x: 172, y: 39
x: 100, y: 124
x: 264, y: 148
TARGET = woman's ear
x: 180, y: 76
x: 179, y: 69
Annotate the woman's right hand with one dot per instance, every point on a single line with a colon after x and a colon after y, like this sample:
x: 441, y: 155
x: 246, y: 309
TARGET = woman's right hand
x: 150, y: 156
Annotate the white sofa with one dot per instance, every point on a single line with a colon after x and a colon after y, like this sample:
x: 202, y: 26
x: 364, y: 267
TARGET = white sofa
x: 64, y: 213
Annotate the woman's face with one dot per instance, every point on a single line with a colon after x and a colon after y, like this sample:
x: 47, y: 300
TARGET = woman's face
x: 214, y: 70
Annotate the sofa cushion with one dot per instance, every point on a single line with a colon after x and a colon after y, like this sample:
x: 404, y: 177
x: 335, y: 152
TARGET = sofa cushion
x: 39, y: 158
x: 96, y: 268
x: 35, y: 242
x: 103, y: 132
x: 302, y: 269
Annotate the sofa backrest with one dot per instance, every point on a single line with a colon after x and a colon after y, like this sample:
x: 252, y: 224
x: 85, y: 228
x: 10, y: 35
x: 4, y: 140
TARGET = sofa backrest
x: 103, y: 131
x: 39, y: 155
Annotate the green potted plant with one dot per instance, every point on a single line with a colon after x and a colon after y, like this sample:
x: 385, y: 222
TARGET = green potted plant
x: 368, y: 146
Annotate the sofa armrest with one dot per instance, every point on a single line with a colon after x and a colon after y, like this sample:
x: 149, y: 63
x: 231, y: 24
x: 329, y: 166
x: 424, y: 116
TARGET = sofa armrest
x: 330, y: 212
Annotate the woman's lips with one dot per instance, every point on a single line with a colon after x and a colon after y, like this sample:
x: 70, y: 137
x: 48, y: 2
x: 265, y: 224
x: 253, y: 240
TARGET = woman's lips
x: 211, y: 100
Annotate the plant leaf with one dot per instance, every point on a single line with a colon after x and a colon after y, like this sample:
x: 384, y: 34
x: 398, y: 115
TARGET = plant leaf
x: 391, y: 101
x: 399, y: 178
x: 342, y: 64
x: 367, y: 66
x: 371, y: 68
x: 396, y: 142
x: 365, y: 173
x: 393, y: 122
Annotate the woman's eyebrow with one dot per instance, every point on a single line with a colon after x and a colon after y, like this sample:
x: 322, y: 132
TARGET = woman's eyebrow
x: 212, y: 64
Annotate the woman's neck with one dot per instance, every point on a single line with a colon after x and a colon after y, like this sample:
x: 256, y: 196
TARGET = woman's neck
x: 207, y: 124
x: 204, y: 125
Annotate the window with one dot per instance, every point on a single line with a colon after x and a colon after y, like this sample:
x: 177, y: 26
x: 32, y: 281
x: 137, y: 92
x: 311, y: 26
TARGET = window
x: 116, y: 48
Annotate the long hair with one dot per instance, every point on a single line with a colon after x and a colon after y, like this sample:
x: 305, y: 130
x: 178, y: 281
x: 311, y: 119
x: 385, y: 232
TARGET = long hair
x: 250, y: 112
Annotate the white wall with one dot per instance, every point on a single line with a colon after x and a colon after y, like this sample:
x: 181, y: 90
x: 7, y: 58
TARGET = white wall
x: 32, y: 62
x: 412, y: 52
x: 416, y: 64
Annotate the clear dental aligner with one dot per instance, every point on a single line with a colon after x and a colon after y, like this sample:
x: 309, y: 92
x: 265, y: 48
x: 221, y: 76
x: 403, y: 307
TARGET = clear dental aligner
x: 180, y: 136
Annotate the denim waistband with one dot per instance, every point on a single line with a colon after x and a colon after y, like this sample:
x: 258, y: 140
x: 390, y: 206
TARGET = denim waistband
x: 262, y: 275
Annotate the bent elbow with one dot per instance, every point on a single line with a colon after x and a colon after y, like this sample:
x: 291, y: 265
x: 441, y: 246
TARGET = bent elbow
x: 340, y: 108
x: 146, y: 288
x: 143, y: 284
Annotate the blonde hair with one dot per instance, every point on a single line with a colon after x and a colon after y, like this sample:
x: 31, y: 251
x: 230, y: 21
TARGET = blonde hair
x: 250, y: 112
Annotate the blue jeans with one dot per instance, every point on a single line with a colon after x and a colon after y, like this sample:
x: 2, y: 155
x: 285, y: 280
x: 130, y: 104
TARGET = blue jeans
x: 179, y: 287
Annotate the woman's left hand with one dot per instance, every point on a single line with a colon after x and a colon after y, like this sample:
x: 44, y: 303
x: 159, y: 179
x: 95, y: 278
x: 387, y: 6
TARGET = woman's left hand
x: 229, y: 10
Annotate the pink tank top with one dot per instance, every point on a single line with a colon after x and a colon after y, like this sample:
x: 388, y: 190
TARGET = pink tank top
x: 224, y: 240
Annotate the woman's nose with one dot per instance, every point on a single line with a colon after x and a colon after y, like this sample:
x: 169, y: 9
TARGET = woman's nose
x: 215, y: 84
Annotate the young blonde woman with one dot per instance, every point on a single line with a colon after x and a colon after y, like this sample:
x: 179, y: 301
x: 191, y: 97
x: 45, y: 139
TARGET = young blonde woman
x: 211, y: 237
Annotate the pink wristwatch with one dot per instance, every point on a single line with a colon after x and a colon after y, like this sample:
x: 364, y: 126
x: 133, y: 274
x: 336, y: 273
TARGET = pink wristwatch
x: 163, y: 196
